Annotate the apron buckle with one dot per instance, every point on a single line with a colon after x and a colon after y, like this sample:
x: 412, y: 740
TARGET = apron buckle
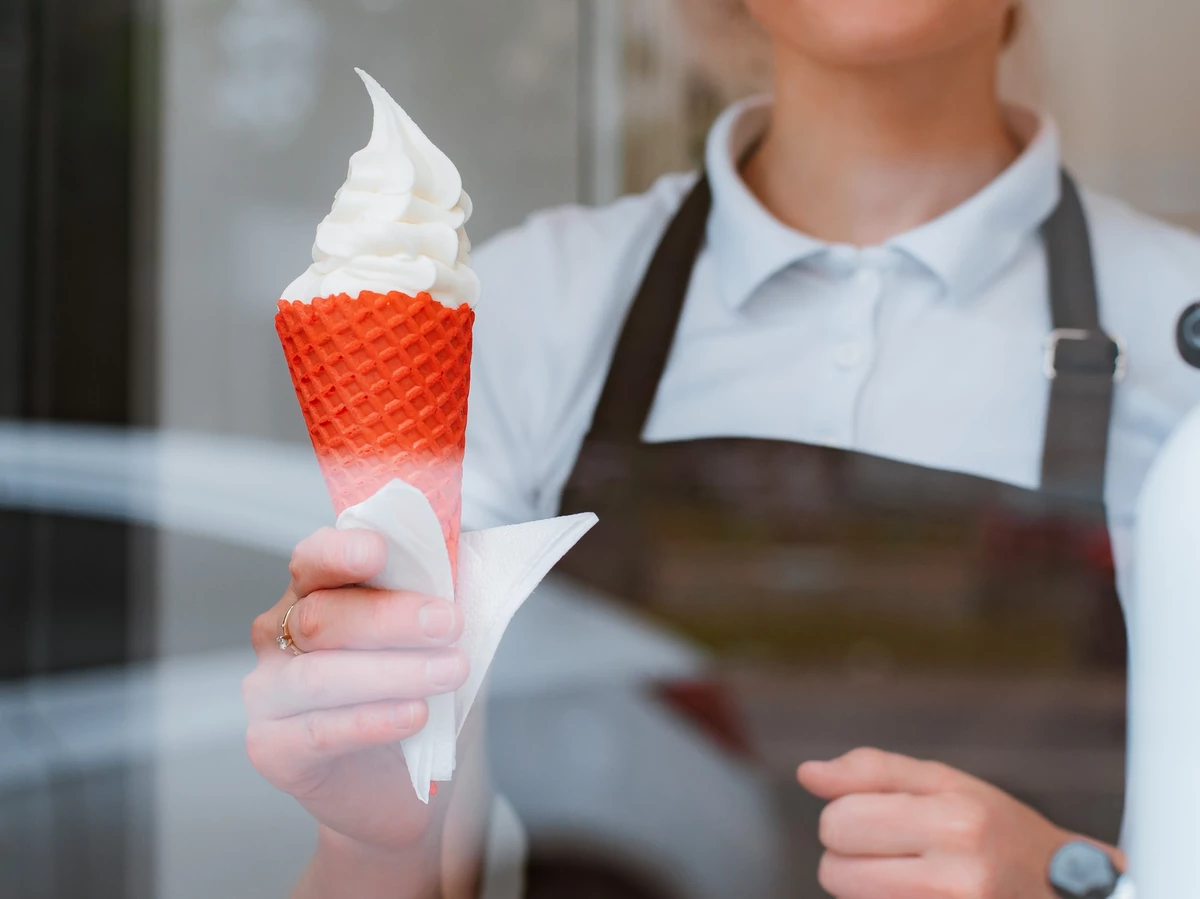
x: 1081, y: 365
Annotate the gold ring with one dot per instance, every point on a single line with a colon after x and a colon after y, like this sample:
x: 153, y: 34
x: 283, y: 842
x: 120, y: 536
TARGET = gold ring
x: 285, y: 641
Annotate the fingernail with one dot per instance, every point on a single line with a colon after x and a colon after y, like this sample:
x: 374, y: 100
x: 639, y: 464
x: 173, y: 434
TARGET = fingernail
x: 357, y: 554
x: 437, y: 621
x: 403, y: 716
x: 443, y: 672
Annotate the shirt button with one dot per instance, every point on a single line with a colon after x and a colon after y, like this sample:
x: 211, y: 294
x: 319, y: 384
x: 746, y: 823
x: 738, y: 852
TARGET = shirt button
x: 848, y: 356
x: 843, y: 255
x: 868, y: 279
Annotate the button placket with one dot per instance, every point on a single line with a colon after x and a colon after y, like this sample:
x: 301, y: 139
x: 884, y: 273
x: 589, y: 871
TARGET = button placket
x: 852, y: 355
x: 857, y: 329
x: 849, y: 342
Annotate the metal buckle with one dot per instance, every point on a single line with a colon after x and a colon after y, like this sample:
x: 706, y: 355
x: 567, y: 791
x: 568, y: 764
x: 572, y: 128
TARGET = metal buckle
x: 1058, y: 335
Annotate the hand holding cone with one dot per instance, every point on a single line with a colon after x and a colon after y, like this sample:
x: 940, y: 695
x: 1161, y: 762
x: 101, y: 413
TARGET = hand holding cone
x: 378, y: 339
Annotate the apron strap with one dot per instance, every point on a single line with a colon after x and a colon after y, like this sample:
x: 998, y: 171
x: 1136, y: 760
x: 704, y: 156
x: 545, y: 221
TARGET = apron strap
x: 1081, y: 360
x: 649, y: 330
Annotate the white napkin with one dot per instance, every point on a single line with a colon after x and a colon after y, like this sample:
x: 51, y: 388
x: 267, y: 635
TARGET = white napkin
x: 497, y: 571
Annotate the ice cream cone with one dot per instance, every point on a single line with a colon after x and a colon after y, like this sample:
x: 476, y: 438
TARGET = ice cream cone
x: 383, y: 382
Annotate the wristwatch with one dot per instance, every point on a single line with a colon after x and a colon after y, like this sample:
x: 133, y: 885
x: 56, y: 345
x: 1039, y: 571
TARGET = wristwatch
x: 1080, y: 870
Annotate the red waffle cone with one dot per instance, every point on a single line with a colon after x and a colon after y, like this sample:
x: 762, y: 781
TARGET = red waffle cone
x: 383, y: 383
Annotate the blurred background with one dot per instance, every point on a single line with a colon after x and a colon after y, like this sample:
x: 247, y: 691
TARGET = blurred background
x: 162, y: 169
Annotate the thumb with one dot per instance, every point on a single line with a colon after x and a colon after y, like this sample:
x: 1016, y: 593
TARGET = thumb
x: 875, y: 771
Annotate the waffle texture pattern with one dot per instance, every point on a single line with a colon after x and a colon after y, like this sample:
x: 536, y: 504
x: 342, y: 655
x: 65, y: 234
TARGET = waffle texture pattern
x: 383, y: 382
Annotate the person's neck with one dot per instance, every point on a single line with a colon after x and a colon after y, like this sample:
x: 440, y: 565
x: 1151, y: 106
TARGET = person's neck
x: 859, y: 156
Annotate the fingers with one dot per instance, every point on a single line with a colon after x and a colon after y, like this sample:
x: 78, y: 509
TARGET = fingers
x: 881, y: 878
x: 875, y: 771
x: 330, y: 559
x: 328, y: 680
x: 328, y: 614
x: 357, y: 618
x: 898, y: 824
x: 285, y: 751
x: 882, y: 825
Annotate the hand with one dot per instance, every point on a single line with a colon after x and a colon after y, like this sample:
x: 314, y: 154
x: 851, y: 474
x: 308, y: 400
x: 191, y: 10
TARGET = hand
x: 897, y: 828
x: 324, y: 726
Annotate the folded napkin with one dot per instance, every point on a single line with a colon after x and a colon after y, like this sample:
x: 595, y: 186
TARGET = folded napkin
x: 497, y: 571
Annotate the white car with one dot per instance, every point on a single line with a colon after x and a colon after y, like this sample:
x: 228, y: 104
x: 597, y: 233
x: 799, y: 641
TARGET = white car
x: 624, y: 764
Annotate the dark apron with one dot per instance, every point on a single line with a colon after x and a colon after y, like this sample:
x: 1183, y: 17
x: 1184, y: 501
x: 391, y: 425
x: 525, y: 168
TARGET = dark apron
x: 859, y: 601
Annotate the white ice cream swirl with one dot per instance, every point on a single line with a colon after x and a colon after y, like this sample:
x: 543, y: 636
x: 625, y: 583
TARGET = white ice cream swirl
x: 398, y: 223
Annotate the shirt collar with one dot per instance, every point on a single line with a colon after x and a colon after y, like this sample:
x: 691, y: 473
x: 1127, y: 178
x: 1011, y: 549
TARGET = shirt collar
x: 749, y: 245
x: 963, y: 248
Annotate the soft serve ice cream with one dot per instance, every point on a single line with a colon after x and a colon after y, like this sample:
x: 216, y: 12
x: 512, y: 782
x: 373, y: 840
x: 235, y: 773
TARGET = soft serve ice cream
x: 399, y: 221
x: 378, y: 331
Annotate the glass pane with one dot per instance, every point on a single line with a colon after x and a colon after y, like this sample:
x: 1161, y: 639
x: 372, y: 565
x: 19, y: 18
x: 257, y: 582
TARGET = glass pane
x: 748, y: 602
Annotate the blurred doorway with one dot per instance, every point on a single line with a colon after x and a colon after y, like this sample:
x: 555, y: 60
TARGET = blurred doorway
x: 68, y: 214
x: 68, y: 586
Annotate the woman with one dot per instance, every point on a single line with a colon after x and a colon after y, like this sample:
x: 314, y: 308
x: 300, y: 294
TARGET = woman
x: 878, y: 307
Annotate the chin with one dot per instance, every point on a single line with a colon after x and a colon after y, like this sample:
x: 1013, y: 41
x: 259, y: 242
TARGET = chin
x: 879, y: 32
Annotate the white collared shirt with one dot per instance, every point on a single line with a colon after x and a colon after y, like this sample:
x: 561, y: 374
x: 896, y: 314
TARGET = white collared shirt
x: 927, y: 349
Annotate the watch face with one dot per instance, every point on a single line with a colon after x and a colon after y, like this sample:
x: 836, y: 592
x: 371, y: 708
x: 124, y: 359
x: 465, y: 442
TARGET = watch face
x: 1083, y: 871
x: 1189, y: 335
